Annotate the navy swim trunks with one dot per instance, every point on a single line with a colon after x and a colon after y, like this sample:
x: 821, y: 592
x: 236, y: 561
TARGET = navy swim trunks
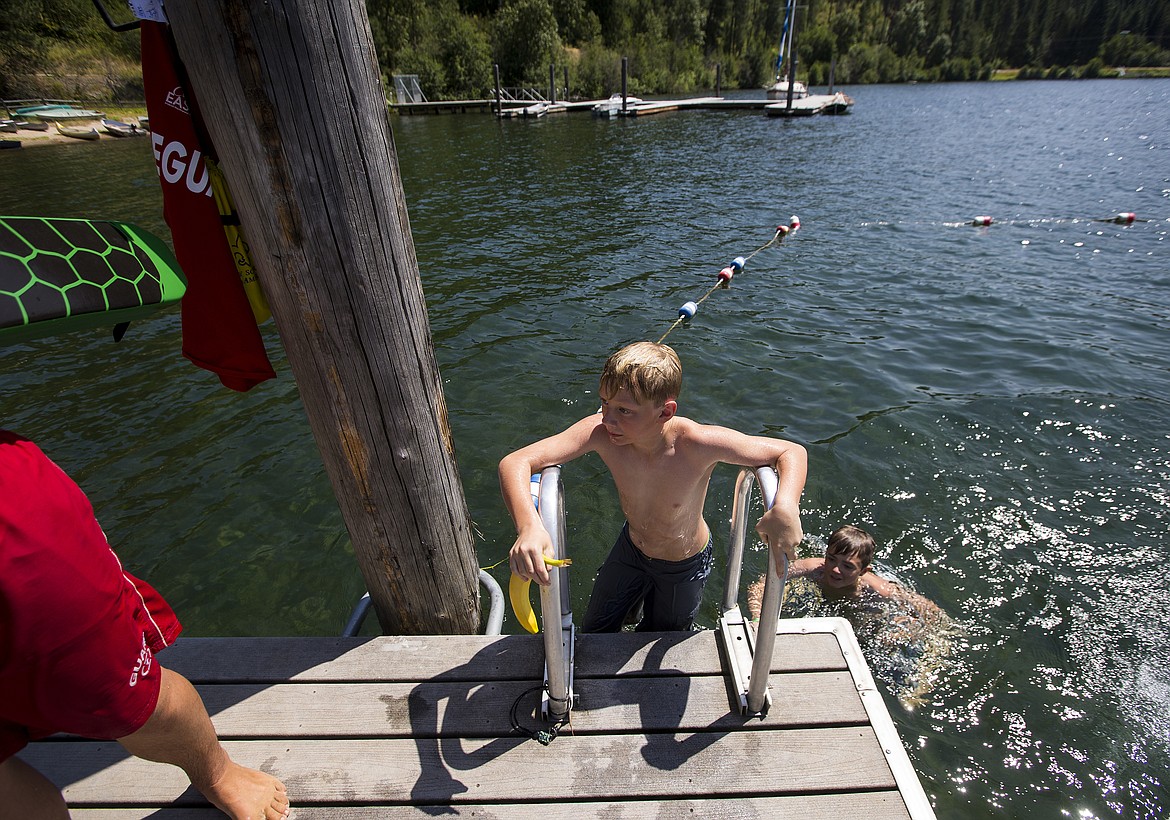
x: 670, y: 592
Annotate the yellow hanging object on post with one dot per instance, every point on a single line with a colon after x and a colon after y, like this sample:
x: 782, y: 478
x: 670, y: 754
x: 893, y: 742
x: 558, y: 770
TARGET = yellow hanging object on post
x: 518, y: 595
x: 239, y: 248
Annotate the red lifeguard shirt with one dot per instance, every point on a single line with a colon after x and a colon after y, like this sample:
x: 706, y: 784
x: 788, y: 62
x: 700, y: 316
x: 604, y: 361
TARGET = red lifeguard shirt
x: 77, y: 632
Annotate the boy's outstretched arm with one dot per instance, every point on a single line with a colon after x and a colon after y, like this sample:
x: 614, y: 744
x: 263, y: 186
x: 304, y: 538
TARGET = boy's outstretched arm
x: 516, y: 471
x: 780, y: 527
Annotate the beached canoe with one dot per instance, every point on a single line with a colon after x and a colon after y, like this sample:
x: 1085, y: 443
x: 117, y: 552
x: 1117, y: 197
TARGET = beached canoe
x: 117, y: 128
x: 80, y: 132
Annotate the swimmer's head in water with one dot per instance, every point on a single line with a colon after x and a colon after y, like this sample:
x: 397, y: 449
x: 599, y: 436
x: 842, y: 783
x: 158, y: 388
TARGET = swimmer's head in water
x: 853, y: 542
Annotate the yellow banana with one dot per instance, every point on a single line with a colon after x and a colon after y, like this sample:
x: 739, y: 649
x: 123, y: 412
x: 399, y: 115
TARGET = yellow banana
x: 518, y: 595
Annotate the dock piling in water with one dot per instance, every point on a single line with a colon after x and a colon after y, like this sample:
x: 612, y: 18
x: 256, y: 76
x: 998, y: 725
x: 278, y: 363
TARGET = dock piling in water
x: 343, y: 284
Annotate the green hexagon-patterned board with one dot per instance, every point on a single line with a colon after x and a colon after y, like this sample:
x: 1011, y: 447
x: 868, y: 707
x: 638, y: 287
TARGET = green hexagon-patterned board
x: 68, y: 274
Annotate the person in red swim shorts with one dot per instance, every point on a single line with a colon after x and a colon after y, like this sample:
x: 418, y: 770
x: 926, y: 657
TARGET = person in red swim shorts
x: 78, y: 637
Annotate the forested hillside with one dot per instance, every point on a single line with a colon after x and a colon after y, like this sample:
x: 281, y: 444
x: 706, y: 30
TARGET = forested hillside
x: 61, y: 48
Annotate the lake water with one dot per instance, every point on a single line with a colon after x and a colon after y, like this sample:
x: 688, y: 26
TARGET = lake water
x: 993, y: 403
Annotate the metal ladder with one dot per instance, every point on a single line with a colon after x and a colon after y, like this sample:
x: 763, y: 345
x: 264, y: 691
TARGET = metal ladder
x: 749, y: 653
x: 555, y: 604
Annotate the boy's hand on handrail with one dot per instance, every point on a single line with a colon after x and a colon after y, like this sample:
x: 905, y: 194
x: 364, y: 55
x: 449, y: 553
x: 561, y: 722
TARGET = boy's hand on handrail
x: 780, y: 530
x: 526, y: 557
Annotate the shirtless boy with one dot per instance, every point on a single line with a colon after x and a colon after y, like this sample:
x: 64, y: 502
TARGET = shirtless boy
x: 845, y: 572
x: 661, y: 464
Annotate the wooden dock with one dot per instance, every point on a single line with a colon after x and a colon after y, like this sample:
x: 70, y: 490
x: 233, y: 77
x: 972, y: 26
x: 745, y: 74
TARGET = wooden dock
x: 396, y: 727
x: 513, y: 108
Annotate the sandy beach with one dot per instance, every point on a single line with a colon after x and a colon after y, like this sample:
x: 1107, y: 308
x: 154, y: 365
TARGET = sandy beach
x: 29, y: 139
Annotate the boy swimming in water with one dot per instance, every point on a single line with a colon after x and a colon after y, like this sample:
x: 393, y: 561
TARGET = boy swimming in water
x: 661, y: 464
x: 845, y: 572
x: 906, y: 639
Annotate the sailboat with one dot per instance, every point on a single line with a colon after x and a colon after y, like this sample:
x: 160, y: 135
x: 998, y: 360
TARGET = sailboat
x: 793, y: 99
x: 781, y: 89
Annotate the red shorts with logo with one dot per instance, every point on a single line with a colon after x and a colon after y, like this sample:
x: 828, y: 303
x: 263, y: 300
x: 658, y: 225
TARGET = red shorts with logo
x: 77, y: 633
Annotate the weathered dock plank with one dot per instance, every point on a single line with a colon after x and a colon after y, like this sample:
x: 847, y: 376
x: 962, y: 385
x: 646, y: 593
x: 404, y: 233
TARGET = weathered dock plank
x: 474, y: 709
x: 870, y: 805
x: 508, y: 769
x: 409, y: 726
x: 471, y: 657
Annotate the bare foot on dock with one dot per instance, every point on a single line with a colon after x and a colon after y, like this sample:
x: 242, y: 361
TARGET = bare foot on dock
x: 246, y: 794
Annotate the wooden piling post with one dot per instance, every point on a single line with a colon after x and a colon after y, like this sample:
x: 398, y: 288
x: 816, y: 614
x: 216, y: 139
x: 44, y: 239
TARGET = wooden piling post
x: 552, y: 82
x: 792, y: 62
x: 718, y: 77
x: 325, y: 216
x: 567, y: 96
x: 499, y: 103
x: 625, y: 70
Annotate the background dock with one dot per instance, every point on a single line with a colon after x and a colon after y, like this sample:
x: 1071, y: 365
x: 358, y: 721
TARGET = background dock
x: 642, y: 109
x: 417, y: 726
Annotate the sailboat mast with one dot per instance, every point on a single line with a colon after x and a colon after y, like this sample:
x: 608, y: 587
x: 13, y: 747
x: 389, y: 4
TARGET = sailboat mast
x: 790, y: 29
x: 792, y: 55
x: 785, y: 33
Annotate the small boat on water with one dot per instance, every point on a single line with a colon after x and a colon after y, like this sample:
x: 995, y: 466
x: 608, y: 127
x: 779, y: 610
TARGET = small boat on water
x: 536, y: 110
x: 613, y: 106
x: 121, y: 129
x: 779, y: 90
x: 839, y: 104
x: 80, y: 132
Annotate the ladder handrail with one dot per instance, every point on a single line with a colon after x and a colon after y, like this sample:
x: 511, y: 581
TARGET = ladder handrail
x: 555, y: 600
x: 765, y: 639
x: 555, y: 605
x: 495, y: 618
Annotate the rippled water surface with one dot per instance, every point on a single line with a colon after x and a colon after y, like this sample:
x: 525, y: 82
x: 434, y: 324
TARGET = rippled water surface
x: 991, y: 402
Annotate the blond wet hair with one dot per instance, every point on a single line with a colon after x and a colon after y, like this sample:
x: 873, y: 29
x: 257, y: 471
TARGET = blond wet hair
x: 651, y: 372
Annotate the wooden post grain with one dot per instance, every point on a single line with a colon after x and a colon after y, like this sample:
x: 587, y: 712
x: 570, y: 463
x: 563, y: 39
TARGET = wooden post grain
x: 291, y: 96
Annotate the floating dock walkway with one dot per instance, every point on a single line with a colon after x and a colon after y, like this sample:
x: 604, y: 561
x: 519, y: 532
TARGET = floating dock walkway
x: 397, y: 727
x: 514, y: 108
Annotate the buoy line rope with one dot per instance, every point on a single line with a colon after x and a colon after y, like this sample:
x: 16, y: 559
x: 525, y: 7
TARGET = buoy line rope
x: 985, y: 221
x: 736, y: 265
x: 1123, y: 218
